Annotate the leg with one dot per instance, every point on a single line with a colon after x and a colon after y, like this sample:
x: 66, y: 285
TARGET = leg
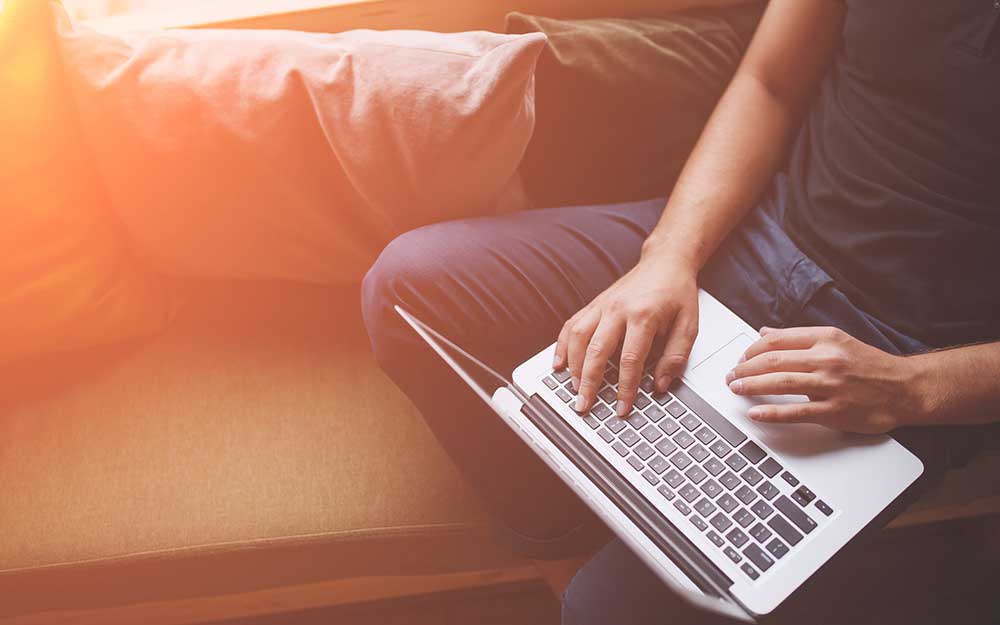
x: 501, y: 287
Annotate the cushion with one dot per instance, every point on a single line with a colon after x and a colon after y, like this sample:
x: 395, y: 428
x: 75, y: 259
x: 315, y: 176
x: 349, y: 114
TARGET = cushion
x: 252, y: 447
x: 290, y: 155
x: 620, y: 103
x: 66, y: 278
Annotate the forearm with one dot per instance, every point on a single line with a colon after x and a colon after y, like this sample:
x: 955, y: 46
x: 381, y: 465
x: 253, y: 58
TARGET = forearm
x: 620, y: 8
x: 728, y: 171
x: 958, y: 386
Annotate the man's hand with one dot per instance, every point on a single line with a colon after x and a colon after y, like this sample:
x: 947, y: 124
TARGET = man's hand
x: 657, y: 297
x: 851, y: 386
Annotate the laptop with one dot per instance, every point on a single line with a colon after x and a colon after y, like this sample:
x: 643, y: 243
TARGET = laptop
x: 732, y: 515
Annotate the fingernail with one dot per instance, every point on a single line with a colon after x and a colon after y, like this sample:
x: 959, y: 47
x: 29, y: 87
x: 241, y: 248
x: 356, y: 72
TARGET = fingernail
x: 736, y: 386
x: 556, y: 362
x: 743, y: 357
x: 576, y: 384
x: 731, y: 376
x: 621, y: 408
x: 581, y: 403
x: 755, y: 413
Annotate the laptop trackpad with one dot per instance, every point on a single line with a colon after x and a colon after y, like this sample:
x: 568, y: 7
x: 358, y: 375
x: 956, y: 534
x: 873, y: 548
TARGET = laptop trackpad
x: 709, y: 379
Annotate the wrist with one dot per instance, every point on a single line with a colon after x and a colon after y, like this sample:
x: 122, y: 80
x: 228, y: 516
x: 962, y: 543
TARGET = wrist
x: 661, y: 251
x: 921, y: 390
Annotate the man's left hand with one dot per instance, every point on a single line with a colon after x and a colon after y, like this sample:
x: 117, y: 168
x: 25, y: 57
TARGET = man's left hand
x: 851, y: 386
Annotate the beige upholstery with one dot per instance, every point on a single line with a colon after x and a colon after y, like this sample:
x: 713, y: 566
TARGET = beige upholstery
x: 255, y: 445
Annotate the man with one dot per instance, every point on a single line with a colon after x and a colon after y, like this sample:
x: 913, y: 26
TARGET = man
x: 875, y: 246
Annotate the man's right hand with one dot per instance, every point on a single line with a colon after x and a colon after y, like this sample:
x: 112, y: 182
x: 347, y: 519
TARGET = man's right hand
x: 658, y: 297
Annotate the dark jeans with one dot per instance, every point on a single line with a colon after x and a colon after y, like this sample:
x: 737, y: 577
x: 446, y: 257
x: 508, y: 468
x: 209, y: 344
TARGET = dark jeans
x: 502, y: 287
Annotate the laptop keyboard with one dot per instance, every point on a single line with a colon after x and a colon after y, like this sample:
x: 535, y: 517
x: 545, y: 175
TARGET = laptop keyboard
x: 725, y: 484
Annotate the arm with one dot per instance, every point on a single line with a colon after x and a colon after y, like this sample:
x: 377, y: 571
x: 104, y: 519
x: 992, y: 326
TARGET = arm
x: 855, y: 387
x: 742, y: 147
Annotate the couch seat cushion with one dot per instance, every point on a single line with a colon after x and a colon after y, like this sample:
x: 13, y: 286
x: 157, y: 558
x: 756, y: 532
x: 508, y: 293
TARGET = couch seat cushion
x: 255, y: 444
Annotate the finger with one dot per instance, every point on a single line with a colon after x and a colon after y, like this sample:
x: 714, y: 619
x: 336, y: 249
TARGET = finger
x: 671, y: 365
x: 562, y: 343
x: 638, y: 339
x: 804, y: 412
x: 602, y: 346
x: 780, y: 384
x: 796, y: 360
x: 791, y: 338
x: 579, y: 337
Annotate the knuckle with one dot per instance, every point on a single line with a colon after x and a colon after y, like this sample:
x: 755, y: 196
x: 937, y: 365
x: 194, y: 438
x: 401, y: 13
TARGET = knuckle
x: 772, y: 360
x: 630, y: 360
x: 596, y: 348
x: 674, y: 362
x: 577, y: 331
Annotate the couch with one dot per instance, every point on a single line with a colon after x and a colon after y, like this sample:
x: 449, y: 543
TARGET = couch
x: 253, y: 460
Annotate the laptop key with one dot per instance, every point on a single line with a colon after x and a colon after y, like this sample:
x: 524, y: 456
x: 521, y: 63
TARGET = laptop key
x: 697, y: 522
x: 676, y: 409
x: 682, y: 507
x: 684, y: 439
x: 629, y: 437
x: 651, y: 433
x: 636, y: 420
x: 751, y: 476
x: 690, y: 422
x: 688, y: 492
x: 761, y: 509
x: 551, y: 383
x: 709, y: 415
x: 760, y: 533
x: 659, y: 464
x: 791, y: 479
x: 680, y: 460
x: 592, y: 422
x: 563, y: 395
x: 608, y: 395
x: 711, y: 488
x: 669, y: 426
x: 602, y: 412
x: 651, y: 477
x: 727, y: 502
x: 620, y: 448
x: 705, y: 507
x: 666, y: 492
x: 615, y: 424
x: 823, y: 507
x: 606, y: 435
x: 729, y: 480
x: 744, y: 494
x: 562, y: 375
x: 721, y: 522
x: 674, y: 478
x: 705, y: 435
x: 742, y: 517
x: 737, y: 537
x: 803, y: 496
x: 654, y: 413
x: 784, y: 529
x: 714, y: 466
x: 641, y: 401
x: 661, y: 398
x: 646, y: 383
x: 666, y: 446
x: 636, y: 463
x: 756, y: 555
x: 770, y: 467
x: 749, y: 570
x: 795, y: 514
x: 732, y: 554
x: 644, y: 451
x: 776, y: 548
x: 736, y: 462
x: 696, y: 474
x: 752, y: 452
x: 720, y: 448
x: 698, y: 452
x: 768, y: 490
x: 715, y: 538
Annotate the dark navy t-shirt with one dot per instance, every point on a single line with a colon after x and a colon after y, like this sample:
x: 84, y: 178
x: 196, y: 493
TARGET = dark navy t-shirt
x: 894, y: 181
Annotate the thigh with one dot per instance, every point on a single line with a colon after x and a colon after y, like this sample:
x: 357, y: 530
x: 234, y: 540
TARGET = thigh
x: 501, y: 287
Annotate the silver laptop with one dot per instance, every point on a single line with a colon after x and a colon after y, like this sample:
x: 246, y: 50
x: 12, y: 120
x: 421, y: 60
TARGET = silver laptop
x: 731, y: 514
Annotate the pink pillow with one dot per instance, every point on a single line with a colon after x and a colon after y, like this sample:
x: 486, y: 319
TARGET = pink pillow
x: 291, y: 155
